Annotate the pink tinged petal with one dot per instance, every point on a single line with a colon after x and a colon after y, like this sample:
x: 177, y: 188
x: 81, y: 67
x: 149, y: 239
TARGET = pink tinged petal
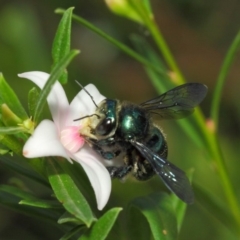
x: 82, y: 104
x: 71, y: 139
x: 97, y: 174
x: 44, y: 142
x: 57, y: 99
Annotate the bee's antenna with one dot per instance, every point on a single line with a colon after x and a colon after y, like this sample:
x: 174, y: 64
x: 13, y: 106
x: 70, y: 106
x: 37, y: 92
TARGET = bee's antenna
x: 86, y: 117
x: 87, y: 94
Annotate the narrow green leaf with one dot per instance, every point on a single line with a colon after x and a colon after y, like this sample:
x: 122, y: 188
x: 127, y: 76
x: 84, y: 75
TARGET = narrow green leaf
x: 10, y: 201
x: 158, y: 211
x: 231, y: 54
x: 179, y: 206
x: 103, y: 226
x: 113, y: 41
x: 11, y: 142
x: 23, y: 194
x: 68, y: 194
x: 213, y: 204
x: 8, y: 96
x: 76, y: 230
x: 15, y: 166
x: 147, y: 6
x: 61, y: 43
x: 40, y: 203
x: 11, y: 130
x: 55, y: 74
x: 33, y: 96
x: 68, y: 217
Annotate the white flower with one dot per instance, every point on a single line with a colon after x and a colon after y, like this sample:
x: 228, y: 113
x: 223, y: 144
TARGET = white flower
x: 61, y: 137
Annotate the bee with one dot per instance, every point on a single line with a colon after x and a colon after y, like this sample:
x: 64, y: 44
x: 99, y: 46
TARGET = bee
x: 125, y: 132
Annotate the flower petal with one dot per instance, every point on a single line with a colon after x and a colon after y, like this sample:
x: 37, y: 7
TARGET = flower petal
x: 82, y: 104
x: 57, y: 99
x: 44, y: 142
x: 97, y: 174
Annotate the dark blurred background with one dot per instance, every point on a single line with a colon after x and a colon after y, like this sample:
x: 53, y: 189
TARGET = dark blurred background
x: 199, y: 34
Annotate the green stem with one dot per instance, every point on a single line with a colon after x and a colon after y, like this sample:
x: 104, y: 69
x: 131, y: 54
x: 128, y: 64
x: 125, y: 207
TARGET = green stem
x: 110, y: 39
x: 211, y: 139
x: 159, y: 40
x: 222, y: 77
x: 224, y: 176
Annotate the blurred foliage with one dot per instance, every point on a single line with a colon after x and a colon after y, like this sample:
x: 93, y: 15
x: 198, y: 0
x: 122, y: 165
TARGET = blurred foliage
x: 198, y: 33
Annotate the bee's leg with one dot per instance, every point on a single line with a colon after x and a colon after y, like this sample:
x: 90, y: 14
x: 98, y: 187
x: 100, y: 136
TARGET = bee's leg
x: 107, y: 155
x: 119, y: 172
x: 122, y: 171
x: 143, y: 170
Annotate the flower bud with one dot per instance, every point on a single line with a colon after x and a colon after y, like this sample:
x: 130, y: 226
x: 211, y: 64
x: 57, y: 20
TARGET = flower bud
x: 125, y: 9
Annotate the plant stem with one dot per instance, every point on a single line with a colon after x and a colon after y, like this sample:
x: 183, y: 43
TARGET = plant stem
x: 115, y: 42
x: 210, y: 137
x: 222, y: 77
x: 159, y: 40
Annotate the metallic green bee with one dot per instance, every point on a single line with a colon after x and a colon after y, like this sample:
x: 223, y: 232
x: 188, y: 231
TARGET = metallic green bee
x: 128, y: 133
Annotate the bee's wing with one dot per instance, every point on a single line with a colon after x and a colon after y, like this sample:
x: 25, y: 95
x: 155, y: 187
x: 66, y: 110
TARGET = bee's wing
x: 178, y: 102
x: 173, y: 177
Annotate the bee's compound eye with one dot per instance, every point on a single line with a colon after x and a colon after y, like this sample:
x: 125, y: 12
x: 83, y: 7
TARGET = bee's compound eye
x: 105, y: 127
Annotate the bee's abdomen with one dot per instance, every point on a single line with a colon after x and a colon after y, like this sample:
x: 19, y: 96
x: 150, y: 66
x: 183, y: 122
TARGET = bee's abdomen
x: 156, y: 142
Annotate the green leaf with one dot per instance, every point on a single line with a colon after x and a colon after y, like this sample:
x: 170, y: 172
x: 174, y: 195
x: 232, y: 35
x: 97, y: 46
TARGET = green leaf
x: 28, y: 198
x: 113, y: 41
x: 11, y: 201
x: 147, y: 5
x: 231, y: 54
x: 23, y: 194
x: 67, y: 217
x: 179, y: 206
x: 218, y: 209
x: 11, y: 130
x: 158, y: 210
x: 55, y: 74
x: 76, y: 230
x: 102, y: 227
x: 8, y: 96
x: 68, y: 194
x: 61, y: 43
x: 33, y: 96
x: 40, y: 203
x: 15, y: 145
x: 15, y: 166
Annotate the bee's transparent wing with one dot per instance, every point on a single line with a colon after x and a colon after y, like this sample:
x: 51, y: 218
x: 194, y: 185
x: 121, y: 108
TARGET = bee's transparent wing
x: 173, y: 177
x: 178, y: 102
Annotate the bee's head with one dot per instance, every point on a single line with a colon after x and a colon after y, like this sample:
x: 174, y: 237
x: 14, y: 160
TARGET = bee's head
x: 107, y: 122
x: 102, y: 122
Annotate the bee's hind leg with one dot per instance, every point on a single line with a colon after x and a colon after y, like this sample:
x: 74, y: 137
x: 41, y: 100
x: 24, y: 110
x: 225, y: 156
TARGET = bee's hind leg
x: 119, y: 172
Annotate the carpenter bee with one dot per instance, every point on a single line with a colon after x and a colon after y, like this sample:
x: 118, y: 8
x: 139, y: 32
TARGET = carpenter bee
x: 128, y: 133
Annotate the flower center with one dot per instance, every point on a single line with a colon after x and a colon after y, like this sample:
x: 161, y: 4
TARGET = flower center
x: 71, y: 139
